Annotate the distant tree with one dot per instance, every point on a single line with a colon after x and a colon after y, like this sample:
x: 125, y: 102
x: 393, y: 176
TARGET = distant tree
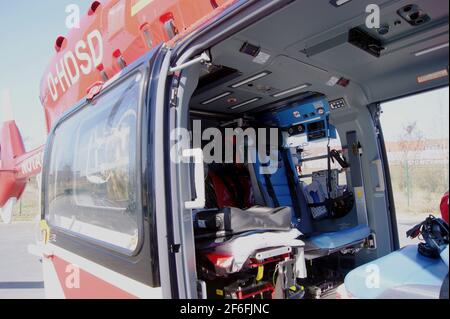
x: 411, y: 143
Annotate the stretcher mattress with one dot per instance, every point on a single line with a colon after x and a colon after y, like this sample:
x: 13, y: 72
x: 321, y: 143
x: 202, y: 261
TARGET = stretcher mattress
x: 232, y: 255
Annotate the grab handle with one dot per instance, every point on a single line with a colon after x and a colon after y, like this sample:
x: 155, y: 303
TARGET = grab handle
x: 199, y: 179
x: 381, y: 185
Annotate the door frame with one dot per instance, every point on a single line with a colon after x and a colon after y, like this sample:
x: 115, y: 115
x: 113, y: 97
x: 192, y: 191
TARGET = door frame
x: 375, y: 111
x: 181, y: 246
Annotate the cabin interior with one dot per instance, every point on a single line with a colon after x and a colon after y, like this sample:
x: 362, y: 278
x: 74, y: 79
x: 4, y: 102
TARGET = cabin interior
x: 315, y: 71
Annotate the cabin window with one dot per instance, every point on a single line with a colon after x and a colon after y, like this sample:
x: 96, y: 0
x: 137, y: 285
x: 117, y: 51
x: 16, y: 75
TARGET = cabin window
x: 415, y: 130
x: 93, y: 178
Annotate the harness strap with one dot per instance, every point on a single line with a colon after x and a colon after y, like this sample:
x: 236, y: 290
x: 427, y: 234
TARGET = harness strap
x: 291, y: 183
x: 271, y: 191
x: 256, y: 186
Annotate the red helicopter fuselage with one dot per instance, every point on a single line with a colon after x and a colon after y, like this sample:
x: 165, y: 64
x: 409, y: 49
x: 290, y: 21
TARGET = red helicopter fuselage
x: 112, y: 34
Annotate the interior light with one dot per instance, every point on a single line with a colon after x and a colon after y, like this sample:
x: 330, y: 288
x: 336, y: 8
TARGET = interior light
x: 432, y: 49
x: 245, y: 103
x: 338, y: 3
x: 432, y: 76
x: 251, y: 79
x: 218, y: 97
x: 297, y: 88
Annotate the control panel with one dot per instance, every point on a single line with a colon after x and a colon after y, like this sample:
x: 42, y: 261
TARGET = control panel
x: 310, y: 117
x: 338, y: 104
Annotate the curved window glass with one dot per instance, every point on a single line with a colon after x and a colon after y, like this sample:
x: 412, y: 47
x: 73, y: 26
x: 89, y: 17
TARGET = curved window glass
x: 93, y: 182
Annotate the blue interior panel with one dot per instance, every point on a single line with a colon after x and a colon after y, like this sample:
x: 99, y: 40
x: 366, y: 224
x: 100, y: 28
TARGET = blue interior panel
x: 310, y: 118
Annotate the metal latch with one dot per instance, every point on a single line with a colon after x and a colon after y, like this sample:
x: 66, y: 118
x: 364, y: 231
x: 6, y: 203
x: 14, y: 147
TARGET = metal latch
x: 371, y: 242
x: 201, y: 289
x: 174, y: 91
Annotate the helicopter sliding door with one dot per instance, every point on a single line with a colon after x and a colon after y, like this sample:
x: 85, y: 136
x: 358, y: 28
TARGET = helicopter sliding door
x: 97, y: 196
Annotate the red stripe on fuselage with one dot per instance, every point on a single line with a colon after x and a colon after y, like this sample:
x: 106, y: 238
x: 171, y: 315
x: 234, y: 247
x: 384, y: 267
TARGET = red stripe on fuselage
x: 90, y: 286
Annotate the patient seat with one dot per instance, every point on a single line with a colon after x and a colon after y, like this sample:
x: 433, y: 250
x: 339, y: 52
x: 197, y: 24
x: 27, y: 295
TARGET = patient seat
x: 283, y: 188
x: 403, y: 274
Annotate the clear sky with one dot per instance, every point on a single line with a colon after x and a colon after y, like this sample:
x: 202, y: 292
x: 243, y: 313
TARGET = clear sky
x: 28, y: 30
x: 430, y: 111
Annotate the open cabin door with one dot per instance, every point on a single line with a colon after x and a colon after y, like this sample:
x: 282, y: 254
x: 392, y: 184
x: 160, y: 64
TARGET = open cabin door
x: 415, y: 141
x: 98, y: 228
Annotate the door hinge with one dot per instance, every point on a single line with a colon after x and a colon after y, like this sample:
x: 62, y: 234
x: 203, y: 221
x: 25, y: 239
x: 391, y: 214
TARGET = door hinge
x: 175, y: 248
x: 173, y: 100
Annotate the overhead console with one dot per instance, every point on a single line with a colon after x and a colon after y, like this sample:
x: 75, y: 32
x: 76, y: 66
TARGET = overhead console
x: 310, y: 118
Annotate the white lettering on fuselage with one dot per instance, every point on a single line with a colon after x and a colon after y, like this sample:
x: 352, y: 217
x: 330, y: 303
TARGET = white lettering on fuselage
x: 32, y: 164
x: 87, y: 55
